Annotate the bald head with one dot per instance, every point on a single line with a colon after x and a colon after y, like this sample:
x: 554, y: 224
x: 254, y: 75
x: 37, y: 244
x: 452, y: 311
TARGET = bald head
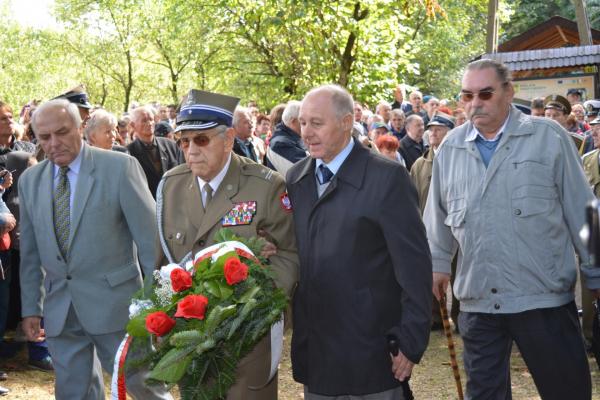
x: 142, y: 123
x: 326, y: 118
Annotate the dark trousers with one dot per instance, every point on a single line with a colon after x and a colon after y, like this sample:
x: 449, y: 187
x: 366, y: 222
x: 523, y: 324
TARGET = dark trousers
x: 549, y: 340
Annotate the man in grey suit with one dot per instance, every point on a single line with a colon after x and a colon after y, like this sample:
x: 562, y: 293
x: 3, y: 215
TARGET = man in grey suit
x: 82, y: 209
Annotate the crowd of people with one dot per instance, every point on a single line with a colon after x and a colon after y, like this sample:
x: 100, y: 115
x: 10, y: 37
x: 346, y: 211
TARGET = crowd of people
x: 368, y: 216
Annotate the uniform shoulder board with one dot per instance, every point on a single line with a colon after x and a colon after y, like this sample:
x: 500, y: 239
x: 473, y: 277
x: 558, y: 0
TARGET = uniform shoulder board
x: 259, y: 171
x: 178, y: 170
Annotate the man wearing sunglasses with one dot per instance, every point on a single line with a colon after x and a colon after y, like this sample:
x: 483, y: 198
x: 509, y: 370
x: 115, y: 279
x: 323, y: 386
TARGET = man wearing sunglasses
x: 509, y: 192
x: 218, y: 189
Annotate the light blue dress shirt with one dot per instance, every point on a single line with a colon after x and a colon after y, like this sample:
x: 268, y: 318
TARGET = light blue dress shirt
x: 334, y: 166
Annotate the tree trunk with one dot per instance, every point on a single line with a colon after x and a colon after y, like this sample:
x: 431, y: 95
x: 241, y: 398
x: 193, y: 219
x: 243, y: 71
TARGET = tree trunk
x: 492, y: 27
x: 129, y: 84
x: 583, y: 23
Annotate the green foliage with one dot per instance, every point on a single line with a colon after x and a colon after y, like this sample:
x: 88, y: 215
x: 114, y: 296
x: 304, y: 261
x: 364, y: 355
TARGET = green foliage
x: 267, y: 50
x: 172, y: 366
x: 528, y: 13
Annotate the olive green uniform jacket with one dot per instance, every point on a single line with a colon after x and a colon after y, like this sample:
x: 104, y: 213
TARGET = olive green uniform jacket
x: 592, y: 170
x: 421, y: 176
x: 186, y: 226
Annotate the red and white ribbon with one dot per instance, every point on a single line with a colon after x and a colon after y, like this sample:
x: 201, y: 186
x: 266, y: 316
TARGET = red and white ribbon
x: 118, y: 387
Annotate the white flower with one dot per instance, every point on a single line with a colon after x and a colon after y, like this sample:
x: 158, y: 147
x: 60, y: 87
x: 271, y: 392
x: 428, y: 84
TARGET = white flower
x: 162, y: 289
x: 165, y: 272
x: 137, y: 306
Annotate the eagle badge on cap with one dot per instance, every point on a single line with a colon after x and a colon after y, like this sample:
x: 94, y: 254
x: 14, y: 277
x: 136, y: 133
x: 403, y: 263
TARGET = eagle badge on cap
x: 241, y: 214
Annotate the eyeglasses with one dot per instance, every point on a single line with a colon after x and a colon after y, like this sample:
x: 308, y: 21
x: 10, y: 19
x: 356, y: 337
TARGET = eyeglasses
x: 467, y: 97
x: 484, y: 95
x: 199, y: 140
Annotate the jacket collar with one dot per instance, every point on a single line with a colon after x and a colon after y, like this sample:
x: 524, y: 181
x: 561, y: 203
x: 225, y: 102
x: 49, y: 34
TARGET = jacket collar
x: 352, y: 170
x: 519, y: 124
x: 285, y: 130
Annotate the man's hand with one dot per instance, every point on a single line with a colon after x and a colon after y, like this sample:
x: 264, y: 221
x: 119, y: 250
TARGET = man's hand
x: 8, y: 180
x: 269, y: 249
x: 32, y: 328
x: 440, y: 284
x: 10, y: 223
x: 401, y: 366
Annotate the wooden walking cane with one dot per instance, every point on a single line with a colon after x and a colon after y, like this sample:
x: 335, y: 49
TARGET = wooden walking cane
x: 451, y: 349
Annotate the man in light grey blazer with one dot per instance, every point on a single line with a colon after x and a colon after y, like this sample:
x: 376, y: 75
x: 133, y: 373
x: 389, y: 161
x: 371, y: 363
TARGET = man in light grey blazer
x: 82, y: 210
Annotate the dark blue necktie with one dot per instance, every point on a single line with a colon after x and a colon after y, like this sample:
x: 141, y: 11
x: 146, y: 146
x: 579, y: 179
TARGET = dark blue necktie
x: 326, y: 174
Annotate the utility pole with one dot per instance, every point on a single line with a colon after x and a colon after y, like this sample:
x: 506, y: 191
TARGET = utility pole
x: 583, y: 23
x: 492, y: 27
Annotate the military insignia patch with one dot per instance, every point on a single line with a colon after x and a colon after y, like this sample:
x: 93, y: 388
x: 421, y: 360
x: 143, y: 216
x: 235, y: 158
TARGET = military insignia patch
x: 241, y: 214
x: 285, y: 202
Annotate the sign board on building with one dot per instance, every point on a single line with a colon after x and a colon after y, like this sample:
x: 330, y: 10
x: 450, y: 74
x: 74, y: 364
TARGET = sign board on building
x: 528, y: 89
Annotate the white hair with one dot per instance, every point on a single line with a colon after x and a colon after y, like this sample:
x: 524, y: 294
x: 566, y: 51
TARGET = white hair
x: 98, y: 119
x: 69, y: 107
x: 136, y: 111
x: 239, y: 111
x: 291, y: 111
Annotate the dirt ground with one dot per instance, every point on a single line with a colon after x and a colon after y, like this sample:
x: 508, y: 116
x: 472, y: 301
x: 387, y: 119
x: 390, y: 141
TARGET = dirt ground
x: 432, y: 378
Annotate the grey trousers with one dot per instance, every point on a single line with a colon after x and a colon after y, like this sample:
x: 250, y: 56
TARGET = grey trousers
x: 79, y: 358
x: 393, y: 394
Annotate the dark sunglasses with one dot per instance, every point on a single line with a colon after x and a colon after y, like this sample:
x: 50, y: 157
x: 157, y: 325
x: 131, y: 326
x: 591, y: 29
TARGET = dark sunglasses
x: 467, y: 97
x: 484, y: 95
x: 199, y: 140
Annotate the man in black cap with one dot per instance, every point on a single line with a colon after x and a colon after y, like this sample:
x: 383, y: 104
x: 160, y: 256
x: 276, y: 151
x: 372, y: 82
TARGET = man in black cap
x: 203, y: 195
x: 164, y: 129
x: 558, y: 109
x: 574, y: 96
x: 156, y: 155
x: 79, y: 97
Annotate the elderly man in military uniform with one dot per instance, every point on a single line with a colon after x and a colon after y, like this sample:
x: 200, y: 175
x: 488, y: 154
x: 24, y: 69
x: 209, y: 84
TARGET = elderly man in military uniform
x: 216, y: 189
x: 591, y: 167
x: 420, y: 173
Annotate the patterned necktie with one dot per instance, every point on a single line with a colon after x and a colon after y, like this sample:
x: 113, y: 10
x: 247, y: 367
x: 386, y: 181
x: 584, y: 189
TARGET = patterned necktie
x: 326, y: 174
x: 62, y: 211
x: 209, y: 194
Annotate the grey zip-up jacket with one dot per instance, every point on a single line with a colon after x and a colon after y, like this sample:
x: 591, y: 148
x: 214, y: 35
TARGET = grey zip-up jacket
x: 517, y: 222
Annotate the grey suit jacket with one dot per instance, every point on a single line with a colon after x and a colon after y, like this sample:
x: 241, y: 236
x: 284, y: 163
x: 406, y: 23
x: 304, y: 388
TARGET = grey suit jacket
x: 112, y: 209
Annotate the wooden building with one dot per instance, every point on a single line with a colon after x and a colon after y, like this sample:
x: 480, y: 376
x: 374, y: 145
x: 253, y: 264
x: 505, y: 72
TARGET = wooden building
x: 547, y: 59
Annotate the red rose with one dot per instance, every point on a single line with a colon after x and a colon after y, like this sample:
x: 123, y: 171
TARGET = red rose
x: 180, y: 280
x: 192, y: 306
x: 235, y: 271
x: 159, y: 323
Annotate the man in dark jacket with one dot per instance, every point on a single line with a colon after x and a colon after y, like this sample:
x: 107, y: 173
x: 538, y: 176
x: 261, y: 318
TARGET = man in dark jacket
x: 411, y: 145
x: 156, y: 155
x: 364, y: 261
x: 286, y: 147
